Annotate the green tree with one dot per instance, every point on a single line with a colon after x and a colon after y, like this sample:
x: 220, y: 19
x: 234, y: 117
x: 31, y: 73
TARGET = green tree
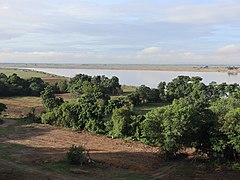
x: 231, y: 128
x: 121, y: 120
x: 48, y: 98
x: 178, y: 87
x: 62, y: 86
x: 182, y: 124
x: 225, y: 135
x: 162, y: 88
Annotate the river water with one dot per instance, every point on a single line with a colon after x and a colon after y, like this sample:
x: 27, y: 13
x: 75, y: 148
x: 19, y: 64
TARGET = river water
x: 146, y: 77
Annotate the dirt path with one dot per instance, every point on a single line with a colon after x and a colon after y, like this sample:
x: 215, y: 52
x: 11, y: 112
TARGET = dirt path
x: 7, y: 122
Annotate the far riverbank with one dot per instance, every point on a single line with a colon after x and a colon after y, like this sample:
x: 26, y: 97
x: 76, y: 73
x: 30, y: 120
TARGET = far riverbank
x: 145, y: 67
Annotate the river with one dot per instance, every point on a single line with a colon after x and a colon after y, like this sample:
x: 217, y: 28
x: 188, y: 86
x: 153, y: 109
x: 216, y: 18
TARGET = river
x: 146, y: 77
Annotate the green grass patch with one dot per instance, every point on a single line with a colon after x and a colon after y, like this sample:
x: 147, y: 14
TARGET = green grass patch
x: 22, y: 100
x: 235, y: 165
x: 96, y: 169
x: 25, y: 73
x: 62, y: 167
x: 7, y: 150
x: 128, y: 89
x: 11, y: 129
x: 143, y: 109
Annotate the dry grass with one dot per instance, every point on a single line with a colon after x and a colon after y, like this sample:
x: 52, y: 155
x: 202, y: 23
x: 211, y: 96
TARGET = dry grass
x: 24, y: 73
x: 20, y: 106
x: 28, y: 101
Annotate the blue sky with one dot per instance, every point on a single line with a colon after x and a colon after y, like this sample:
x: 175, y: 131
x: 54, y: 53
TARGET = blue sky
x: 120, y: 31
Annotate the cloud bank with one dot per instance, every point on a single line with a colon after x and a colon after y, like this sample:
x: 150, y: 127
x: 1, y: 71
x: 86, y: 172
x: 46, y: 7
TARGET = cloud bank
x: 126, y: 31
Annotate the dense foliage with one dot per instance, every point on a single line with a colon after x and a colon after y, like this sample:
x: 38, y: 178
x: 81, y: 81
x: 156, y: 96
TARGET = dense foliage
x: 13, y: 85
x: 81, y: 84
x: 184, y: 123
x: 206, y: 117
x: 48, y: 98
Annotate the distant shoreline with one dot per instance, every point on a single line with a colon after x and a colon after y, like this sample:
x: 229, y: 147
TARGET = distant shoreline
x: 190, y: 68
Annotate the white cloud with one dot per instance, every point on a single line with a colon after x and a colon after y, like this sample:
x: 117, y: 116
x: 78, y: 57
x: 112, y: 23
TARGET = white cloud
x: 229, y: 49
x: 211, y: 13
x: 167, y: 57
x: 150, y: 50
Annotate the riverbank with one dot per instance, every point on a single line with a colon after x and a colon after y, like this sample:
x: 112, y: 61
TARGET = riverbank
x: 145, y: 67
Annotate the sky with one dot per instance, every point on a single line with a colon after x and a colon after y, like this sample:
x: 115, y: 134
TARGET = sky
x: 120, y: 31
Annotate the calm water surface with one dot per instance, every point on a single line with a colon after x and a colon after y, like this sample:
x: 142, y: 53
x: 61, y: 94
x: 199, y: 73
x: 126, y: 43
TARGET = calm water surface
x: 148, y: 78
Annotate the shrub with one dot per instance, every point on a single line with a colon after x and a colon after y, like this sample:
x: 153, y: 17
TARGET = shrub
x: 185, y: 123
x: 121, y: 121
x: 76, y: 155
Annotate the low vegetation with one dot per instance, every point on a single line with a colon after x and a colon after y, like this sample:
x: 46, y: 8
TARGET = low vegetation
x: 76, y: 155
x: 190, y: 118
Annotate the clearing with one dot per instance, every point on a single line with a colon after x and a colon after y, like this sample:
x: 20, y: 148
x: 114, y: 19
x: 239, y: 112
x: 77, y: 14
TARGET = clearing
x: 36, y: 150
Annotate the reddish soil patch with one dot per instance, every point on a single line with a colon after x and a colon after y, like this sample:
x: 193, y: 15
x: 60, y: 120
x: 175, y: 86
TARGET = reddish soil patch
x: 53, y: 80
x: 17, y: 111
x: 44, y: 143
x: 50, y: 144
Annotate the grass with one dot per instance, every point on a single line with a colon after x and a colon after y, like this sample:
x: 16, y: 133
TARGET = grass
x: 62, y: 167
x: 128, y: 89
x: 11, y: 128
x: 235, y: 165
x: 25, y: 101
x: 96, y: 170
x: 7, y: 150
x: 143, y: 109
x: 25, y: 73
x: 20, y: 106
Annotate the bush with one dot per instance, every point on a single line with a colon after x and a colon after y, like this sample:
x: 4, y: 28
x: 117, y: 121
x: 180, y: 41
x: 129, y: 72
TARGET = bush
x: 184, y: 123
x: 121, y: 121
x: 76, y: 155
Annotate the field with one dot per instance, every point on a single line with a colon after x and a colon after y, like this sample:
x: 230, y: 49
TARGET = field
x: 21, y: 106
x: 25, y: 73
x: 37, y: 151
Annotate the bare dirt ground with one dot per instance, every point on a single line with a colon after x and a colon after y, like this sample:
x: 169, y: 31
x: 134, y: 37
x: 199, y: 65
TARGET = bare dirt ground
x: 52, y: 143
x: 45, y: 144
x: 53, y: 79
